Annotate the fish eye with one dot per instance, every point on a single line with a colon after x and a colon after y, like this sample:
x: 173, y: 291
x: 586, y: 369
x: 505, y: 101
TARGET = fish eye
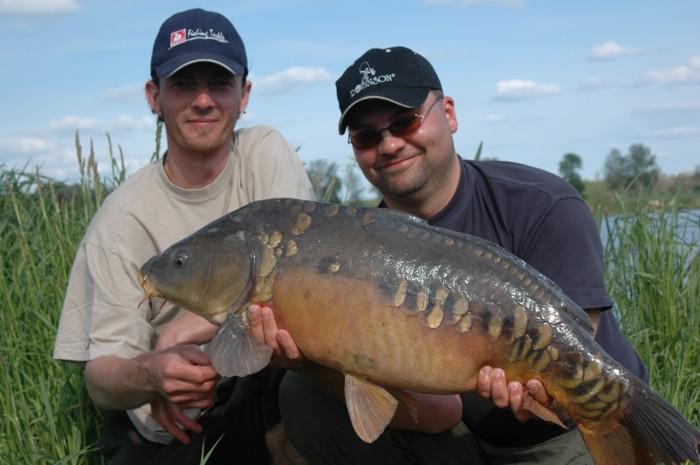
x: 180, y: 258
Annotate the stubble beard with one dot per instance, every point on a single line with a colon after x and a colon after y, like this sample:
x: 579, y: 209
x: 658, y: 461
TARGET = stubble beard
x: 402, y: 189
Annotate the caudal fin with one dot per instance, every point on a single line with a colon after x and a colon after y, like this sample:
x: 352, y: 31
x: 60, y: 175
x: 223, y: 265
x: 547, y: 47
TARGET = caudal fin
x: 651, y: 432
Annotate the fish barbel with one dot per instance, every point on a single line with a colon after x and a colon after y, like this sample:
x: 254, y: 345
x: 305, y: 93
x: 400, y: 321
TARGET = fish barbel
x: 397, y: 305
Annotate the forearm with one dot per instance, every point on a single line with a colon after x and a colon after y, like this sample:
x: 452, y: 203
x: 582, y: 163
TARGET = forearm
x: 118, y: 383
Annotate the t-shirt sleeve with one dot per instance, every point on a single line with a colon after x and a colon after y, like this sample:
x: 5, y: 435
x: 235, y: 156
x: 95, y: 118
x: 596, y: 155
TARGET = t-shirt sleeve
x: 277, y: 170
x: 100, y: 313
x: 565, y: 246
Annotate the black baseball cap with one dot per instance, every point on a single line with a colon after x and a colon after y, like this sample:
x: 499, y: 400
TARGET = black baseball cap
x: 396, y: 74
x: 197, y: 35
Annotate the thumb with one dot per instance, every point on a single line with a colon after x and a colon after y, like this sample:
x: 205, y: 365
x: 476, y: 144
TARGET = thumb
x: 194, y: 354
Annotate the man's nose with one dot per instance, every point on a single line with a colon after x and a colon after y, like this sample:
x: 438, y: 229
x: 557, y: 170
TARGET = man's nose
x: 203, y: 99
x: 390, y: 144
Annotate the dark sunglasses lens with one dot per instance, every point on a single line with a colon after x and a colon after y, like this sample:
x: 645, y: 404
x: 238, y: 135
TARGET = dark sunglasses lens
x: 405, y: 124
x: 366, y: 138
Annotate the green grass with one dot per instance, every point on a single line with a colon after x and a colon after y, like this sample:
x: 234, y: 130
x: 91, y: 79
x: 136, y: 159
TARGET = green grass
x: 47, y: 418
x: 654, y: 276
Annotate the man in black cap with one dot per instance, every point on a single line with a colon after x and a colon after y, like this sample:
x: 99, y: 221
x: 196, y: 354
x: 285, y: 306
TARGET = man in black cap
x: 400, y: 125
x: 164, y: 401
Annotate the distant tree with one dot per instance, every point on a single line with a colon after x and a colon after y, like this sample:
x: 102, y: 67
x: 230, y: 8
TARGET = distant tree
x: 568, y: 169
x: 353, y: 184
x: 637, y: 168
x: 325, y: 180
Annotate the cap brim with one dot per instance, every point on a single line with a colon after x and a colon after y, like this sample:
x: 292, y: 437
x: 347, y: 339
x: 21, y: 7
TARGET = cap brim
x: 407, y: 98
x: 172, y: 66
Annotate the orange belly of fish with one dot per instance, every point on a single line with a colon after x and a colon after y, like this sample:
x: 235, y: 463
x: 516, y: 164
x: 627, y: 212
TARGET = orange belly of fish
x: 349, y: 325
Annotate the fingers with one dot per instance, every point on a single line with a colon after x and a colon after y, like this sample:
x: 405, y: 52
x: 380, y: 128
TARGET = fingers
x: 263, y: 326
x: 173, y: 373
x: 538, y: 392
x: 255, y: 323
x: 173, y: 420
x: 483, y: 382
x: 491, y: 384
x: 288, y: 345
x: 517, y: 394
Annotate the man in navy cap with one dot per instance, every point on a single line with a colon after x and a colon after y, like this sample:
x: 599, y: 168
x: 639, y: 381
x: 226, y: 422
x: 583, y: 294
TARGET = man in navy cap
x: 143, y: 364
x: 400, y: 125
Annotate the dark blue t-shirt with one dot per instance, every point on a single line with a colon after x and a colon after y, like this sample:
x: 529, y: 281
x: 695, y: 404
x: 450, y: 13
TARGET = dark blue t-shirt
x: 543, y: 220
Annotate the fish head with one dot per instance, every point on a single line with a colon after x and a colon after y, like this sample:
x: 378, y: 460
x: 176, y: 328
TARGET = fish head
x: 208, y: 273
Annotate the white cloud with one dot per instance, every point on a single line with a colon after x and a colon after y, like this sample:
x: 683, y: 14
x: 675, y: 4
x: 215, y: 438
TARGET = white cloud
x: 502, y: 3
x: 518, y: 89
x: 133, y: 122
x: 73, y: 123
x: 688, y: 73
x: 127, y: 94
x: 25, y: 145
x: 677, y: 132
x: 610, y: 50
x: 37, y: 7
x: 672, y: 107
x: 295, y: 76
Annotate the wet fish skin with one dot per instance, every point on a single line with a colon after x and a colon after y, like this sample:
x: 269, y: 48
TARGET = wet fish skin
x: 383, y: 297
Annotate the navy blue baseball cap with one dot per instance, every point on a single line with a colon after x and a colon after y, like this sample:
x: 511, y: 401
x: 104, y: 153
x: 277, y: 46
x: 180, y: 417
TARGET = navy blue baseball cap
x: 194, y: 36
x: 396, y: 74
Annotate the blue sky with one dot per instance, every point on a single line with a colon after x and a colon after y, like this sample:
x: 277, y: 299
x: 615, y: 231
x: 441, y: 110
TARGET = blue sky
x: 532, y: 79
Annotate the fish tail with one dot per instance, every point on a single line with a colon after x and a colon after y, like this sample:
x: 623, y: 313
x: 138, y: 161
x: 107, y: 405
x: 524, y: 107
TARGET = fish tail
x: 649, y: 432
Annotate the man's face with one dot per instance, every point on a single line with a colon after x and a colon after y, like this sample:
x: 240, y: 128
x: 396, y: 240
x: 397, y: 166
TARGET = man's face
x: 413, y: 166
x: 200, y: 105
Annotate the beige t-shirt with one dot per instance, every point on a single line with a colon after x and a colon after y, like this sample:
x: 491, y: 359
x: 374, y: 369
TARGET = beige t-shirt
x: 140, y: 219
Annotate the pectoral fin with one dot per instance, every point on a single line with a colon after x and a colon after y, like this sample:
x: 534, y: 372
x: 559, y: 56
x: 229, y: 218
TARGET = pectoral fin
x: 371, y: 407
x: 234, y: 352
x: 540, y: 411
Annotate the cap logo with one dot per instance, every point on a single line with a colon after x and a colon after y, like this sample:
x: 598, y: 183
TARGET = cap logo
x: 369, y: 78
x: 185, y: 35
x: 177, y: 37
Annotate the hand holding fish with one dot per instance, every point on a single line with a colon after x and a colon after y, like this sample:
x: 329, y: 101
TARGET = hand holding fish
x: 264, y: 328
x: 491, y: 384
x: 184, y: 378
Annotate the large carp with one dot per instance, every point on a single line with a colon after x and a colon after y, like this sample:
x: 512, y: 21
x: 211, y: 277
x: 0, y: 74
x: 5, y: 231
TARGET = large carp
x: 394, y: 303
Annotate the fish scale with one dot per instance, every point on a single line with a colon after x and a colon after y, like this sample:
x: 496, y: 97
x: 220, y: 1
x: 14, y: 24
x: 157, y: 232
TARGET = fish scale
x: 391, y: 302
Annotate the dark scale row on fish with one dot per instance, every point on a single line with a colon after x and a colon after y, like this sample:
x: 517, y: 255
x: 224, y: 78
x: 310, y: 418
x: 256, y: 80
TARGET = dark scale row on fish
x: 385, y: 298
x: 529, y: 339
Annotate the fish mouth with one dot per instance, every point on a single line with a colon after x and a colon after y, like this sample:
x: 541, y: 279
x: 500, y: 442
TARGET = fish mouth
x: 149, y: 289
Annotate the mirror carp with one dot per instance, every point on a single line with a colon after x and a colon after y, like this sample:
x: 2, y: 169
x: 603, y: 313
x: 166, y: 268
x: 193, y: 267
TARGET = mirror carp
x: 396, y: 305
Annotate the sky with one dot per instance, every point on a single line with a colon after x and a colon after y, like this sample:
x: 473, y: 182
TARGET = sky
x: 532, y: 79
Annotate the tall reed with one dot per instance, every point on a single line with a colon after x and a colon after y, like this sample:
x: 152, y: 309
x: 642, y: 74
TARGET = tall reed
x: 653, y: 268
x: 46, y: 416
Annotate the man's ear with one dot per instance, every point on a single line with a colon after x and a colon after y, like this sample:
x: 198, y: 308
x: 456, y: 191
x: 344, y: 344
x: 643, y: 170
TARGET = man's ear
x: 152, y: 93
x: 245, y: 95
x: 450, y: 113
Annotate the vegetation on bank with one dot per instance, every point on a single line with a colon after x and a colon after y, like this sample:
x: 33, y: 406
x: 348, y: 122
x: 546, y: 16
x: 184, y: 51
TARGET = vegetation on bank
x: 653, y: 274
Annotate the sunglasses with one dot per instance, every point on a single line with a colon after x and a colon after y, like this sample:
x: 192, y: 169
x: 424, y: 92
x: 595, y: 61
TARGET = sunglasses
x: 402, y: 125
